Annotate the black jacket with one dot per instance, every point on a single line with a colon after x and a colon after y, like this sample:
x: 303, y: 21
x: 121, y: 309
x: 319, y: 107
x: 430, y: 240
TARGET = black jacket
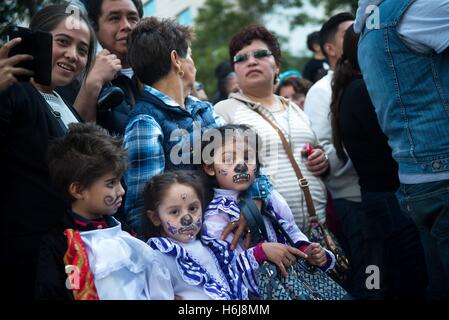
x: 30, y: 207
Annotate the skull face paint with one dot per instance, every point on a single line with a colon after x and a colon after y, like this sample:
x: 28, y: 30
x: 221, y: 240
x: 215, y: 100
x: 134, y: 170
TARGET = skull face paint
x: 188, y: 229
x: 180, y: 213
x: 238, y: 160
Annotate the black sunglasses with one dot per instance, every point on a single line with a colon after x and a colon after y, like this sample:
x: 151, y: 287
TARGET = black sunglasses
x: 257, y: 54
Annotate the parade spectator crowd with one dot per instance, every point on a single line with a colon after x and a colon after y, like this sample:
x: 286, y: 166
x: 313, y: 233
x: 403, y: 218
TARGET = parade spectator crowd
x: 121, y: 180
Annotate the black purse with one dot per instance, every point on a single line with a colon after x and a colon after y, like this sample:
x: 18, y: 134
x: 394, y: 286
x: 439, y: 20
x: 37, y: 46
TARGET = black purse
x: 304, y: 281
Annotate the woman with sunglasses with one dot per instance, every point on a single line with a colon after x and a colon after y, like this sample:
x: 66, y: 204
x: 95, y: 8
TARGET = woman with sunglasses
x: 256, y: 58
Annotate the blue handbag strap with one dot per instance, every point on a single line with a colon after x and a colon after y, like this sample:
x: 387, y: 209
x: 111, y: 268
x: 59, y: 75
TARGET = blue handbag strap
x: 255, y: 220
x: 277, y: 226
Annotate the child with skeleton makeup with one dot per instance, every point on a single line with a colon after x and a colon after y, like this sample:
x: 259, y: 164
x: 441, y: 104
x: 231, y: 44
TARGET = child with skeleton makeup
x: 90, y: 256
x: 186, y: 267
x: 231, y: 168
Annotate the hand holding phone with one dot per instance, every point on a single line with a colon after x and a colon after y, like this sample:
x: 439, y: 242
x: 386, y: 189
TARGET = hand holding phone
x: 9, y: 71
x: 39, y: 45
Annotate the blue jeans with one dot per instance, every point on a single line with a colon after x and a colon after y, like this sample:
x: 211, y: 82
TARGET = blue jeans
x: 428, y: 206
x: 393, y: 245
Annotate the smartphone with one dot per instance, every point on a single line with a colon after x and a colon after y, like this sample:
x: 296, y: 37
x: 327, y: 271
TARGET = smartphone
x: 38, y: 44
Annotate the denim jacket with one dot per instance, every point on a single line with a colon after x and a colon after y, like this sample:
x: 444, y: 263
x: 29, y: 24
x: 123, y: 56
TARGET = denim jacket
x: 410, y: 92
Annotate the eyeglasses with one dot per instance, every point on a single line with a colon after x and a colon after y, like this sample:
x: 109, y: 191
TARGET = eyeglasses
x: 257, y: 54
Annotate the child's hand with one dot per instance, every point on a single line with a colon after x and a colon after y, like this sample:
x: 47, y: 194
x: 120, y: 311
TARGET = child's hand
x: 241, y: 226
x: 317, y: 254
x: 282, y: 255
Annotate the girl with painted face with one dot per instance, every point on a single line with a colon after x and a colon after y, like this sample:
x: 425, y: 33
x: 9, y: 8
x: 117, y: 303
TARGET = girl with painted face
x: 185, y: 267
x: 231, y: 165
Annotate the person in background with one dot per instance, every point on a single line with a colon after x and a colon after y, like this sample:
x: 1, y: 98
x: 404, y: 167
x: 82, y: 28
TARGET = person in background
x: 295, y: 89
x: 32, y: 114
x: 226, y: 82
x: 342, y: 180
x: 391, y: 239
x: 317, y: 67
x: 407, y: 78
x: 199, y: 92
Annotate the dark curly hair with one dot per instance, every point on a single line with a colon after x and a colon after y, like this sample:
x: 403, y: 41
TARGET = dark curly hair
x: 86, y: 153
x: 251, y: 33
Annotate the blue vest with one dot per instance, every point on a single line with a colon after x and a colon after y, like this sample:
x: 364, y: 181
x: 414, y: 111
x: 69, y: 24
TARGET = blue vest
x: 410, y: 92
x: 182, y: 130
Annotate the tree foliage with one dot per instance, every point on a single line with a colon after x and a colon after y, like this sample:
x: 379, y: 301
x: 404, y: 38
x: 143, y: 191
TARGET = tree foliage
x: 218, y: 21
x: 331, y: 6
x: 12, y: 12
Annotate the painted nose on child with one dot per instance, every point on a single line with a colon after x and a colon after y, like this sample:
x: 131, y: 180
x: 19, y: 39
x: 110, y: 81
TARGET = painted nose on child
x: 241, y: 168
x: 187, y: 220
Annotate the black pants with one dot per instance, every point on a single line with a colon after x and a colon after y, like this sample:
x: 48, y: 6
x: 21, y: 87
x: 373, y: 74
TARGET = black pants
x: 393, y: 244
x: 350, y: 219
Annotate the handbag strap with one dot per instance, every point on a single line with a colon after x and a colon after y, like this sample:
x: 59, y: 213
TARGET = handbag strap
x: 255, y: 222
x: 303, y: 183
x: 278, y: 226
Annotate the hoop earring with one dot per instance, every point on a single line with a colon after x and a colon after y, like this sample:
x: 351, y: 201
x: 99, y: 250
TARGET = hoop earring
x: 181, y: 73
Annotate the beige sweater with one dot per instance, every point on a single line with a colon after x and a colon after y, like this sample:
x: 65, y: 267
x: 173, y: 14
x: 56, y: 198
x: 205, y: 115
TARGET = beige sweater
x: 239, y: 109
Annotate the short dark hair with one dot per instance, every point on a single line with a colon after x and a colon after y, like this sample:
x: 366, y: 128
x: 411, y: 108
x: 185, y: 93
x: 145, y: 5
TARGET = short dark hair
x: 313, y: 38
x: 48, y: 18
x: 254, y: 32
x: 150, y: 44
x: 86, y: 153
x: 156, y: 189
x: 300, y: 85
x: 330, y: 28
x: 94, y: 10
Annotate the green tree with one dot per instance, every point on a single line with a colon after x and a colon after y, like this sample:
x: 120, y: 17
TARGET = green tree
x: 14, y: 12
x: 330, y: 6
x: 218, y: 21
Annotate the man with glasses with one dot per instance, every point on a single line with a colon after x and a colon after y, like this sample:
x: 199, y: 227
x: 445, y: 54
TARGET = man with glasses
x: 109, y: 91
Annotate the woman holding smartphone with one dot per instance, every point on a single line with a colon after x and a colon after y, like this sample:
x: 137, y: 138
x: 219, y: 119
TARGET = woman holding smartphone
x: 31, y: 114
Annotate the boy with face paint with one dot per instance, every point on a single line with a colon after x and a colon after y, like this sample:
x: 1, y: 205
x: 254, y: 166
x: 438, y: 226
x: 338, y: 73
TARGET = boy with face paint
x: 232, y: 167
x: 189, y: 268
x: 100, y: 260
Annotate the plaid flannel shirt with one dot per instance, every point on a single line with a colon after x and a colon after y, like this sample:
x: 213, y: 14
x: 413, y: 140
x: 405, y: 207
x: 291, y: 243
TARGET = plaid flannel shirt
x: 144, y: 142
